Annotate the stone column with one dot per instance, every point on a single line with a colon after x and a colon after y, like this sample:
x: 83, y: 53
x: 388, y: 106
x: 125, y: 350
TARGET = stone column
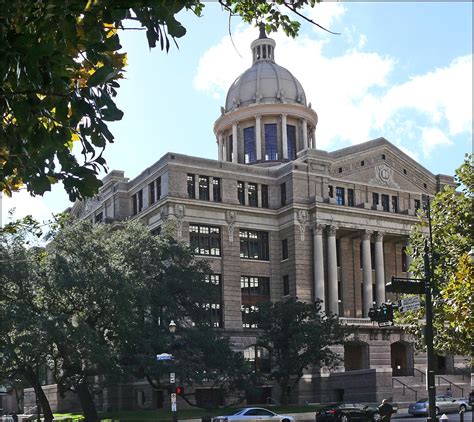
x: 284, y: 137
x: 221, y: 148
x: 318, y: 264
x: 332, y: 271
x: 367, y: 273
x: 379, y: 269
x: 258, y: 137
x: 234, y: 143
x: 314, y: 136
x: 305, y: 134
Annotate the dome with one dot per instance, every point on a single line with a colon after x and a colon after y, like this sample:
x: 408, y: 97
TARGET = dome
x: 265, y: 81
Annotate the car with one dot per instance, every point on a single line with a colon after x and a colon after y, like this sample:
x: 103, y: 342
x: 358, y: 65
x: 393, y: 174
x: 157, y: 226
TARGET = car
x: 347, y: 412
x: 444, y: 404
x: 253, y: 414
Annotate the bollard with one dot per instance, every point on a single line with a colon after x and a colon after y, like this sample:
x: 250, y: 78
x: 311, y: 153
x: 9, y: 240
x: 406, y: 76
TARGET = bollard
x: 444, y: 417
x: 461, y: 415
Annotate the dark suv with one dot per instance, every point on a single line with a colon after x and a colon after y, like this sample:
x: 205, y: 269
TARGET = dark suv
x: 347, y: 412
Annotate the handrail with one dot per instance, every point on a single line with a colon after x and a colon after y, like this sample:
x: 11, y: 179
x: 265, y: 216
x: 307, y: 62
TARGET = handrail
x: 406, y: 386
x: 423, y: 375
x: 451, y: 384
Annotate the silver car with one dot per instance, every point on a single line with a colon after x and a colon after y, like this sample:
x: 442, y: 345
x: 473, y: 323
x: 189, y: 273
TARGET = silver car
x: 253, y: 414
x: 444, y: 404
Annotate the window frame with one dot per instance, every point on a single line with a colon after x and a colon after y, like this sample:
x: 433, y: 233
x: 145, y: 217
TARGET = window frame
x: 252, y: 197
x: 203, y: 186
x: 241, y: 192
x: 265, y: 202
x: 191, y: 185
x: 252, y: 241
x: 210, y: 241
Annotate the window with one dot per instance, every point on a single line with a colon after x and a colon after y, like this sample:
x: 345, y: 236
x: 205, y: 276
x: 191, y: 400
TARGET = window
x: 394, y: 203
x: 350, y: 197
x: 252, y: 194
x: 156, y: 231
x: 215, y: 309
x: 340, y: 196
x: 208, y: 398
x: 404, y: 171
x: 284, y: 249
x: 249, y: 145
x: 254, y: 286
x: 383, y: 156
x: 362, y: 163
x: 254, y: 245
x: 404, y: 260
x: 271, y: 144
x: 425, y: 185
x: 151, y: 193
x: 264, y: 196
x: 283, y: 194
x: 241, y: 192
x: 291, y: 140
x: 375, y: 198
x: 340, y: 170
x: 191, y: 190
x: 338, y: 252
x: 230, y: 148
x: 216, y: 189
x: 205, y: 240
x: 330, y: 191
x: 385, y: 202
x: 286, y: 285
x: 204, y: 188
x: 158, y: 188
x: 417, y: 204
x: 259, y: 359
x: 99, y: 217
x: 137, y: 202
x: 247, y: 317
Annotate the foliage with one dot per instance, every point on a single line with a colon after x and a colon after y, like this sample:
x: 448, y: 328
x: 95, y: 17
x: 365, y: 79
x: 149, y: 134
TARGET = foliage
x: 452, y: 230
x: 297, y: 335
x: 61, y: 63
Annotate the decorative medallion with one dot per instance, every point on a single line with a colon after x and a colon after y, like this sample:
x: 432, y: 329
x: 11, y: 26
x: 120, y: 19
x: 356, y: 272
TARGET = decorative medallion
x: 384, y: 176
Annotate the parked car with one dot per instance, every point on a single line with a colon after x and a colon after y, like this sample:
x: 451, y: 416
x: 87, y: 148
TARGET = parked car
x: 347, y: 412
x: 444, y: 404
x: 253, y: 414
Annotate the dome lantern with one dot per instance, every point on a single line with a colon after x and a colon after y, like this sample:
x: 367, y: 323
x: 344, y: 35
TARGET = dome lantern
x: 263, y: 48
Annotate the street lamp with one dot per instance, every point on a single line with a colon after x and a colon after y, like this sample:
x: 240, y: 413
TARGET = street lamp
x: 174, y: 407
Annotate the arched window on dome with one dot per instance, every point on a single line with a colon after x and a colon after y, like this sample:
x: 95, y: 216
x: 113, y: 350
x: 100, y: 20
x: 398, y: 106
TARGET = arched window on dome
x: 249, y: 145
x: 291, y: 140
x: 271, y: 142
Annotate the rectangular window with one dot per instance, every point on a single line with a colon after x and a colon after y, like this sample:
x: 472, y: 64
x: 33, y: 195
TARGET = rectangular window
x: 265, y: 196
x: 134, y: 204
x: 205, y: 240
x: 247, y: 318
x: 286, y: 285
x: 331, y: 191
x: 151, y: 193
x: 254, y: 245
x: 137, y: 202
x: 394, y: 203
x: 216, y: 189
x: 215, y: 309
x: 249, y: 145
x: 271, y: 142
x: 158, y: 188
x: 417, y: 204
x: 254, y: 289
x: 338, y: 252
x: 385, y: 202
x: 375, y: 198
x: 191, y: 190
x: 252, y: 194
x: 230, y: 148
x: 283, y: 194
x: 404, y: 260
x: 291, y: 139
x: 350, y: 197
x: 204, y: 188
x: 284, y: 249
x: 340, y: 196
x: 99, y: 217
x: 241, y: 192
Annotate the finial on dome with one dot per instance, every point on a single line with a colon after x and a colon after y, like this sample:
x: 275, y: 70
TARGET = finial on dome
x: 262, y: 34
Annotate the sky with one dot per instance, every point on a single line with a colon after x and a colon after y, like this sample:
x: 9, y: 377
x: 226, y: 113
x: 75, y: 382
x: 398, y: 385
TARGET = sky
x: 401, y: 70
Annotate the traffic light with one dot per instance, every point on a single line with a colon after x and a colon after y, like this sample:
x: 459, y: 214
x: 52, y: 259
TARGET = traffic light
x: 373, y: 314
x: 179, y: 391
x: 384, y: 313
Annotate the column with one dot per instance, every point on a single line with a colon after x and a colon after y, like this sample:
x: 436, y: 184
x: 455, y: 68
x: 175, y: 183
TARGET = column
x: 318, y: 263
x: 314, y: 136
x: 379, y: 269
x: 258, y: 137
x: 234, y: 143
x: 305, y: 134
x: 367, y: 273
x: 332, y: 271
x: 284, y: 137
x: 221, y: 147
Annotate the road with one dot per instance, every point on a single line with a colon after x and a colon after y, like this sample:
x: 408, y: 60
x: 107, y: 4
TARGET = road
x: 452, y: 417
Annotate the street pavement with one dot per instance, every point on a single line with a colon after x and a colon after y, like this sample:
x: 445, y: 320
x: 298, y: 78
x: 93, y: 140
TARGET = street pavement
x: 452, y: 417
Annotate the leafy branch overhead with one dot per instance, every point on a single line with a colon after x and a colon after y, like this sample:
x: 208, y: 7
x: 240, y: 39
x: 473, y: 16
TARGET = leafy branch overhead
x: 61, y: 65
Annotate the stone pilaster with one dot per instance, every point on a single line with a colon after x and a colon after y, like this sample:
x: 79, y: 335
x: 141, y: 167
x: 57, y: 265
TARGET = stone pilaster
x: 318, y: 263
x: 367, y: 273
x: 332, y: 271
x: 379, y: 269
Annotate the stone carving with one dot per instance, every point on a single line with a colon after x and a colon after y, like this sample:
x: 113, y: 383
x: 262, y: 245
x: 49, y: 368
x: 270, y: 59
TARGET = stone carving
x: 384, y: 176
x: 379, y: 236
x: 367, y: 234
x: 332, y: 230
x: 302, y: 218
x: 318, y: 228
x: 179, y: 215
x: 231, y: 217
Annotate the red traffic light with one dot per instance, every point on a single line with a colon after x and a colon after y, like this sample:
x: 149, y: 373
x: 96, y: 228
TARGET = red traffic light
x: 179, y: 391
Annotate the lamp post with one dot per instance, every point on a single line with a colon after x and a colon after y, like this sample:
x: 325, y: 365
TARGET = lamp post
x: 174, y: 407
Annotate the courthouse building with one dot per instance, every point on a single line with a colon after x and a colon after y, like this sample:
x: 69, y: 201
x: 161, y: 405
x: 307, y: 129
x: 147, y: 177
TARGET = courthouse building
x: 277, y: 217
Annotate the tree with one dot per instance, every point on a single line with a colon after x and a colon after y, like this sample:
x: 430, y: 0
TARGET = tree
x: 297, y: 335
x: 61, y: 66
x: 452, y: 230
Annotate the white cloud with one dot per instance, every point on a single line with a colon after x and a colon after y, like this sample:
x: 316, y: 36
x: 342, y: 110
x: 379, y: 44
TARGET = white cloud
x: 326, y: 14
x: 24, y: 205
x: 433, y: 137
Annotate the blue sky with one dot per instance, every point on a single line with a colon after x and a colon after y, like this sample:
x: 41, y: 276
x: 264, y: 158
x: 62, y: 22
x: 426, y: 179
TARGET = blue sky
x: 401, y: 70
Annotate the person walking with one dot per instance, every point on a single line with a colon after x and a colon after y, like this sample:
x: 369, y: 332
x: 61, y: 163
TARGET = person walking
x: 385, y: 411
x: 449, y: 393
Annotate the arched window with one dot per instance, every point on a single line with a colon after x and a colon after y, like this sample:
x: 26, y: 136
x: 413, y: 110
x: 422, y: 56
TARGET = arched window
x: 291, y: 140
x: 271, y: 142
x: 258, y: 357
x: 249, y: 145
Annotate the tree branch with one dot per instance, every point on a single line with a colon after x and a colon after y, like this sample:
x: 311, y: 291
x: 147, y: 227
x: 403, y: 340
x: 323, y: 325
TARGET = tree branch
x: 294, y: 10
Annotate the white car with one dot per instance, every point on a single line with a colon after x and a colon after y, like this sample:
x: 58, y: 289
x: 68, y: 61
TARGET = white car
x: 253, y: 414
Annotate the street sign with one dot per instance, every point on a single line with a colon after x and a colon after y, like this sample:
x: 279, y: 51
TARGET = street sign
x: 164, y: 356
x: 411, y: 303
x: 406, y: 285
x: 385, y: 324
x: 173, y: 397
x: 172, y: 378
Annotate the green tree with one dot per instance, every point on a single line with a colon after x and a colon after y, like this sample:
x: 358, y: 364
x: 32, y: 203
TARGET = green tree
x: 60, y: 70
x: 452, y: 231
x: 297, y: 336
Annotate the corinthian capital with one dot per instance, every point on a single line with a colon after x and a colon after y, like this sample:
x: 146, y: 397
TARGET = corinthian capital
x: 379, y: 236
x: 367, y: 234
